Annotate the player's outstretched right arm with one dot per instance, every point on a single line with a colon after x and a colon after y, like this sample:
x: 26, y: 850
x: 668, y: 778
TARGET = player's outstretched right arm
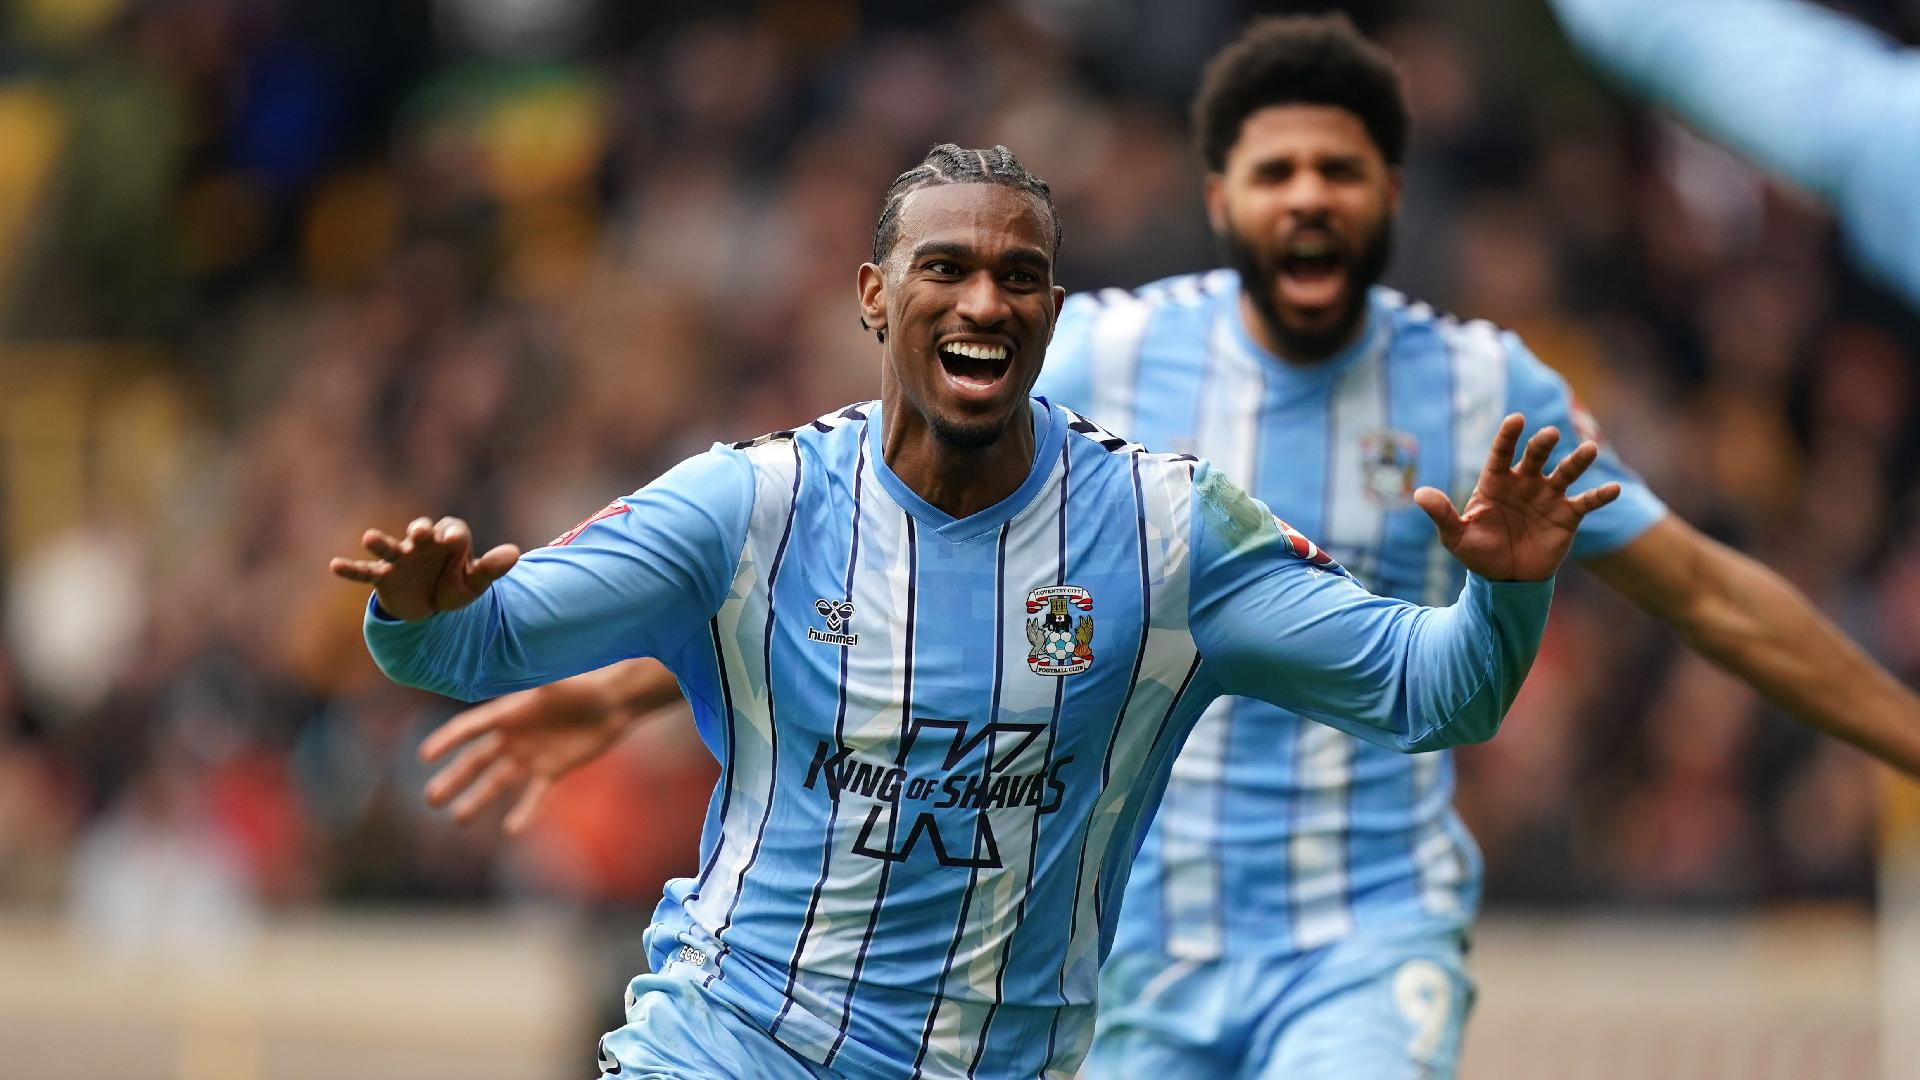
x: 427, y: 569
x: 1276, y: 619
x: 637, y: 579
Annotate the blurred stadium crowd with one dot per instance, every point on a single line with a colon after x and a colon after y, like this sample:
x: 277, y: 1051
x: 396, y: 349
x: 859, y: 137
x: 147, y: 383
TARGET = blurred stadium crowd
x: 270, y: 271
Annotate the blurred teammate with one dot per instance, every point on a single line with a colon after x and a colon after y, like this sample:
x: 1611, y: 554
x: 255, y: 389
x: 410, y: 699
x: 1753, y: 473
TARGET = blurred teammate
x: 1817, y: 97
x: 1304, y: 914
x: 945, y: 646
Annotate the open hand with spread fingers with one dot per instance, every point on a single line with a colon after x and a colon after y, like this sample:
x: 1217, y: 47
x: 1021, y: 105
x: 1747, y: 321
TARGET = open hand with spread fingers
x: 1519, y: 522
x: 524, y: 742
x: 429, y: 569
x: 519, y: 745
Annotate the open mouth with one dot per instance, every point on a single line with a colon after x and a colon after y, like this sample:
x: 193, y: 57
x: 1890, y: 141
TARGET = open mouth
x: 1313, y: 274
x: 975, y: 367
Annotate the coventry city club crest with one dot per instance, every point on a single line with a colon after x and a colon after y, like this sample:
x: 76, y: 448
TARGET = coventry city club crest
x: 1061, y: 644
x: 1387, y: 461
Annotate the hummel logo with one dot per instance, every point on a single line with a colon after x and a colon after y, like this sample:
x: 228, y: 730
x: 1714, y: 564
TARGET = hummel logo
x: 838, y: 613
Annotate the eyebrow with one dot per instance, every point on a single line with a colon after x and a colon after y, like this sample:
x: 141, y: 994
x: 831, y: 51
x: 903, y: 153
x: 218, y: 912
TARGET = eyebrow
x: 1023, y: 256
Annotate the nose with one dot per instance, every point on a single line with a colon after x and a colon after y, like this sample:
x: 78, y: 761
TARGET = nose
x: 1307, y: 194
x: 981, y: 301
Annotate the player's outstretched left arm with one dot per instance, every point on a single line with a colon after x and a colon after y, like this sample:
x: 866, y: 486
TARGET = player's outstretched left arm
x: 1276, y: 620
x: 526, y: 741
x: 1519, y: 522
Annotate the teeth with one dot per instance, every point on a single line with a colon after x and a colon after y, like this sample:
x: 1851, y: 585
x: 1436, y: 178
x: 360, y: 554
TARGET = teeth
x: 975, y: 350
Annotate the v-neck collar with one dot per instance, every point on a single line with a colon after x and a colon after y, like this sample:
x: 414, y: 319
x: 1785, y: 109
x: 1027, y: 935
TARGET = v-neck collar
x: 1049, y: 433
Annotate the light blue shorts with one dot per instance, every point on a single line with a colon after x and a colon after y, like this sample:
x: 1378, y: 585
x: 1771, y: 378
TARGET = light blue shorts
x: 677, y: 1031
x: 1380, y: 1004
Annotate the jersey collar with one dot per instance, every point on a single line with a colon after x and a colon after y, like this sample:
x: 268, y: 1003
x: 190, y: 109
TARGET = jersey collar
x: 1049, y: 432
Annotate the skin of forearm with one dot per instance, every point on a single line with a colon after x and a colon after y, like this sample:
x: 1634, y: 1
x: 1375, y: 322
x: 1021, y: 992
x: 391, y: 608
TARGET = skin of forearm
x: 1753, y: 623
x: 636, y: 687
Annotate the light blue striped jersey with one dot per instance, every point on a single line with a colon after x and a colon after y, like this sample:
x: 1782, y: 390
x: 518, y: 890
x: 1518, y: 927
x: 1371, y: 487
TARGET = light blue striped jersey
x: 941, y: 739
x: 1263, y: 851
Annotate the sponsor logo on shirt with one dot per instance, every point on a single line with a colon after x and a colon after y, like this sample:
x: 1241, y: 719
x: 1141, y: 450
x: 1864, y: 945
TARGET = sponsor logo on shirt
x: 1060, y: 644
x: 942, y: 808
x: 839, y: 616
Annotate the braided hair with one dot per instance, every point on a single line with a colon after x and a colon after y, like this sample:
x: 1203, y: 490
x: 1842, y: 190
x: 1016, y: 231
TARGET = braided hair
x: 951, y: 164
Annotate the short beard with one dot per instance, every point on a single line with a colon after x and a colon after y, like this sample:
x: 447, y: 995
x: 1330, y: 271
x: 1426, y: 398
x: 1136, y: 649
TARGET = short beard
x: 967, y: 438
x: 1257, y: 279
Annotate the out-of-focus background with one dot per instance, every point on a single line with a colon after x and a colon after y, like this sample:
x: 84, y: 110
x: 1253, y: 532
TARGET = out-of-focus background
x: 273, y: 270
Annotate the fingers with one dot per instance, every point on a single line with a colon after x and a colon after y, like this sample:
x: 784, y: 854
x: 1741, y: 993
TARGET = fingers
x: 460, y: 774
x: 452, y: 532
x: 524, y: 807
x: 419, y: 531
x: 488, y: 568
x: 368, y: 571
x: 504, y: 776
x: 365, y: 571
x: 1588, y: 501
x: 1505, y: 440
x: 1538, y: 449
x: 469, y: 725
x: 1575, y: 464
x: 1440, y: 508
x: 380, y: 544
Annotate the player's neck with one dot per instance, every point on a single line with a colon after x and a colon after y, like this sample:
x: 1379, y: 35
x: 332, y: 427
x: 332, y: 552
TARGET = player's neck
x: 959, y: 481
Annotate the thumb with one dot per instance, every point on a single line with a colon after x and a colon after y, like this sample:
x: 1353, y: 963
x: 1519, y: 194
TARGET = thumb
x: 489, y: 568
x: 1446, y: 520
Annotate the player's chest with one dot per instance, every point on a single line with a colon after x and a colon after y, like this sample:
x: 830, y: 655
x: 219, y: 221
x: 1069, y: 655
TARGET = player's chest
x: 1023, y: 625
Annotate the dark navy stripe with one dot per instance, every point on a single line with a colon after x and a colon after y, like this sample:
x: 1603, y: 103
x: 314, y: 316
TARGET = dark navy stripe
x: 1174, y: 705
x: 973, y: 874
x: 893, y: 823
x: 839, y: 747
x: 1046, y: 766
x: 1113, y: 740
x: 773, y: 729
x: 1139, y: 656
x: 726, y: 778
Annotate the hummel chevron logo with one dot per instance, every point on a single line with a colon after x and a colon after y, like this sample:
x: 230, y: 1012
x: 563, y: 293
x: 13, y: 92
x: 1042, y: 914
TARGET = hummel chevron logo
x: 839, y: 614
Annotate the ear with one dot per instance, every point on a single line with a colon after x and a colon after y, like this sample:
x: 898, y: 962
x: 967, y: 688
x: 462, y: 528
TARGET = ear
x: 873, y: 296
x: 1217, y: 203
x: 1395, y: 178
